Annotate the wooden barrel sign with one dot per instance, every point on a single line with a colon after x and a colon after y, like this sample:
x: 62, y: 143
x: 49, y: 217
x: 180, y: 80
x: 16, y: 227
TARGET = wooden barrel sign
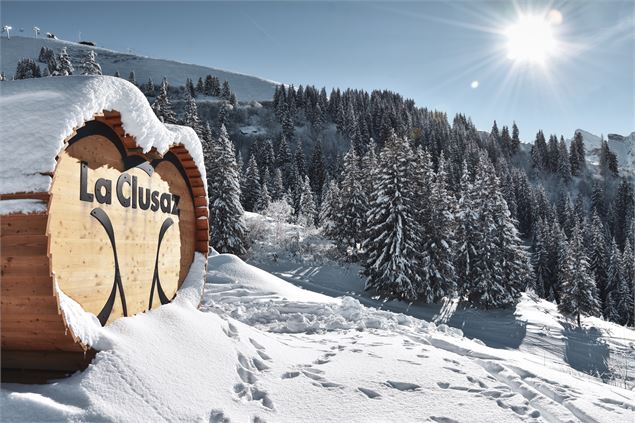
x: 118, y: 237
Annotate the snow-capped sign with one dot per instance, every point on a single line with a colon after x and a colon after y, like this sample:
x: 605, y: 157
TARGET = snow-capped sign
x: 104, y: 209
x: 126, y: 219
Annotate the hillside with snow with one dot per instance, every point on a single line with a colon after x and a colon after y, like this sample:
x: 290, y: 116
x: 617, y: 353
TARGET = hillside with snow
x: 260, y: 349
x: 245, y: 87
x: 622, y: 146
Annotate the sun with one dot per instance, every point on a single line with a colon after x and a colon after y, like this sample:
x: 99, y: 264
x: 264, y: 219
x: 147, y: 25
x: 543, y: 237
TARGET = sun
x: 531, y: 40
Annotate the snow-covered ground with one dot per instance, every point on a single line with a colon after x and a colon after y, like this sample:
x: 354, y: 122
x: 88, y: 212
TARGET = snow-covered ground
x: 259, y: 348
x: 246, y: 87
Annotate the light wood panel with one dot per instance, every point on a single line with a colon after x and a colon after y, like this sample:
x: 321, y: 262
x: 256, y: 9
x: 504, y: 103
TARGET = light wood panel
x: 82, y: 257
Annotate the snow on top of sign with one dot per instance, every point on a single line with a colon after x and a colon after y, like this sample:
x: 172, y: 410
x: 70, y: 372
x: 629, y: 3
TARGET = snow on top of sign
x: 37, y: 115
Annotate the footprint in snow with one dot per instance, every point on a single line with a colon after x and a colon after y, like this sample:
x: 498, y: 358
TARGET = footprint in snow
x: 217, y: 416
x: 256, y: 344
x: 443, y: 419
x: 452, y: 369
x: 403, y: 386
x: 369, y: 393
x: 263, y: 355
x: 290, y: 375
x: 231, y: 331
x: 443, y: 385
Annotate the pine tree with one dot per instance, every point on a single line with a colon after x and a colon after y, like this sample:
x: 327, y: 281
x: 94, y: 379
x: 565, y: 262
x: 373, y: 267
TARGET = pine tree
x: 610, y: 308
x: 627, y: 290
x: 131, y: 78
x: 149, y: 88
x: 579, y: 294
x: 189, y: 88
x: 438, y: 277
x: 317, y: 172
x: 26, y: 69
x: 90, y: 65
x: 506, y: 141
x: 351, y: 222
x: 191, y: 118
x: 299, y: 161
x: 264, y: 199
x: 577, y: 154
x: 251, y: 188
x: 65, y: 67
x: 539, y: 152
x: 330, y: 204
x: 598, y: 257
x: 200, y: 88
x: 162, y: 106
x: 540, y: 258
x: 226, y: 92
x: 52, y: 66
x: 624, y: 211
x: 393, y: 234
x: 307, y: 214
x: 515, y: 139
x: 227, y: 228
x: 564, y: 164
x: 277, y: 185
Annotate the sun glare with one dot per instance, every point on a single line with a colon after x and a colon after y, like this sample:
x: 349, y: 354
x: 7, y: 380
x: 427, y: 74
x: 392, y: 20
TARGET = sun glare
x: 531, y: 40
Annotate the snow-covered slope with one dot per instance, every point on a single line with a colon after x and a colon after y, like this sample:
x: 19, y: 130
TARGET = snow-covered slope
x: 622, y: 146
x: 277, y: 354
x: 245, y: 87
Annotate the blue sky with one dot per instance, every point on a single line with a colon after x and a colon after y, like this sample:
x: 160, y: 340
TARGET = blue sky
x: 429, y: 51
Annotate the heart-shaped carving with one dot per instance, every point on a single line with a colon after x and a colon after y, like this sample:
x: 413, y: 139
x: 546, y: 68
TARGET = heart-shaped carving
x: 120, y: 225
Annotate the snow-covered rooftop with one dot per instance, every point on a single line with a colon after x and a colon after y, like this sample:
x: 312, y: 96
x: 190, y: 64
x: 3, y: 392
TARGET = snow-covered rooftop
x: 37, y: 115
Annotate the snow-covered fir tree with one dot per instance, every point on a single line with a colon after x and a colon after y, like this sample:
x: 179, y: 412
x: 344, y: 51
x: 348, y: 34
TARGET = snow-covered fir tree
x: 65, y: 67
x: 611, y: 306
x: 251, y: 185
x: 438, y: 276
x: 351, y: 215
x: 89, y: 64
x: 329, y: 205
x: 162, y: 107
x: 579, y: 294
x: 191, y: 117
x: 227, y: 228
x: 307, y: 213
x: 27, y: 68
x: 264, y: 199
x: 393, y: 235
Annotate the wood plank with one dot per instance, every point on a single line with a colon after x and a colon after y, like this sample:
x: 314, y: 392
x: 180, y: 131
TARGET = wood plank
x: 23, y: 245
x: 34, y: 285
x: 200, y: 202
x: 23, y: 224
x: 46, y: 360
x: 199, y: 192
x: 202, y: 247
x: 24, y: 266
x: 44, y: 196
